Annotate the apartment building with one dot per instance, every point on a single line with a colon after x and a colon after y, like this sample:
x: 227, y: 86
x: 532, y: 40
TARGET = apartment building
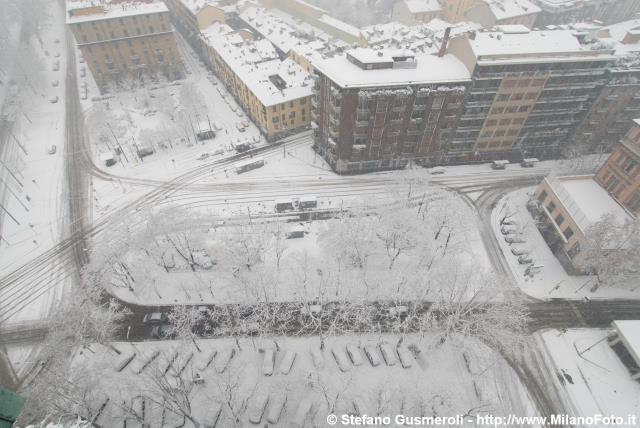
x: 562, y: 12
x: 381, y: 109
x: 620, y: 174
x: 503, y: 12
x: 610, y: 117
x: 529, y: 91
x: 411, y: 12
x: 124, y: 39
x: 275, y: 93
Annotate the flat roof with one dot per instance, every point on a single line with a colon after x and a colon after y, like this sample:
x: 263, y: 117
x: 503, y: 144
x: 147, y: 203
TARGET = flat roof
x: 534, y: 43
x: 629, y: 332
x: 116, y: 10
x: 430, y: 69
x: 585, y: 200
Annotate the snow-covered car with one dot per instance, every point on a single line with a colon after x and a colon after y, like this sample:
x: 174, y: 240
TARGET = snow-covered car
x: 406, y: 359
x: 513, y: 239
x: 354, y: 355
x: 388, y: 354
x: 341, y: 359
x: 203, y: 156
x: 507, y: 230
x: 508, y: 222
x: 286, y: 364
x: 268, y: 361
x: 164, y: 331
x: 240, y: 127
x: 525, y: 260
x: 239, y: 113
x: 233, y: 108
x: 519, y: 251
x: 245, y: 123
x: 275, y: 408
x: 437, y: 170
x: 217, y: 126
x: 53, y: 99
x: 257, y: 408
x: 372, y: 355
x: 55, y: 83
x: 155, y: 318
x: 52, y: 149
x: 398, y: 311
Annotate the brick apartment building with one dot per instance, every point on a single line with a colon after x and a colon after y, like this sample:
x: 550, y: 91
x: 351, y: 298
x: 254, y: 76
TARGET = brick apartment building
x: 381, y: 109
x: 120, y: 39
x: 529, y: 91
x: 620, y: 174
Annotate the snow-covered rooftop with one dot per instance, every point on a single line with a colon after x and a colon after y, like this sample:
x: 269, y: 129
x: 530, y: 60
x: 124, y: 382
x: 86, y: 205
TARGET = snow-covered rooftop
x: 629, y: 332
x: 539, y: 44
x: 115, y: 10
x: 552, y: 5
x: 258, y: 65
x: 430, y: 69
x: 586, y: 200
x: 196, y: 6
x: 505, y: 9
x: 420, y: 6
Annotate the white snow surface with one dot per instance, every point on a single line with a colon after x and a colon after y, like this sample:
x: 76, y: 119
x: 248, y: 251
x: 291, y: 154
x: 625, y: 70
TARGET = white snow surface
x: 439, y: 380
x: 598, y: 382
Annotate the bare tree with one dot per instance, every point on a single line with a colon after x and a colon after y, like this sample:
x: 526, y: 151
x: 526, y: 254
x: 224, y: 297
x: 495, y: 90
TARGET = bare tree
x: 612, y: 251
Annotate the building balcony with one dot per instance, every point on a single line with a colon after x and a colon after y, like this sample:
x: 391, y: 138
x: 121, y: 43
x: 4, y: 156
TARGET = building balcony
x: 419, y: 107
x: 336, y: 109
x: 362, y: 123
x: 135, y: 57
x: 335, y: 120
x: 397, y: 109
x: 397, y: 121
x: 417, y: 120
x: 314, y: 102
x: 333, y: 133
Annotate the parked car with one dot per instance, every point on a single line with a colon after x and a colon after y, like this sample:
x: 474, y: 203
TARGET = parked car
x: 155, y: 318
x: 268, y: 361
x: 372, y: 355
x: 53, y: 99
x: 240, y: 127
x: 52, y: 149
x: 507, y: 230
x: 164, y: 331
x: 513, y: 239
x: 525, y: 260
x: 519, y: 251
x: 499, y: 164
x: 528, y: 162
x: 437, y: 170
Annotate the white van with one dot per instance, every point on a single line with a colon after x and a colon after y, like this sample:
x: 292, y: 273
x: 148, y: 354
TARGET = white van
x: 499, y: 164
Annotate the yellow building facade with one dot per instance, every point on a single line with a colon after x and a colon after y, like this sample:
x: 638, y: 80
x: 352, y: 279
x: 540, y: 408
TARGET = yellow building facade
x: 117, y: 41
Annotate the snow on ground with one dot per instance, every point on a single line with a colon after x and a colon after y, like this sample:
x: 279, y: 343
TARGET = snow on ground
x: 552, y: 281
x: 36, y: 204
x: 591, y: 375
x: 445, y: 380
x: 332, y: 253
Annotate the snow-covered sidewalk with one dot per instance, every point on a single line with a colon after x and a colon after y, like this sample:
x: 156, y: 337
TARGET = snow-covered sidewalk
x: 552, y: 281
x: 591, y: 375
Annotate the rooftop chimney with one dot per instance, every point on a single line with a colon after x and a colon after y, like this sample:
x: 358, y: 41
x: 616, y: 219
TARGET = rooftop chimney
x: 445, y: 40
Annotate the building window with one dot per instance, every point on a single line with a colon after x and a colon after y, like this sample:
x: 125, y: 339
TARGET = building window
x: 511, y: 109
x: 274, y: 109
x: 559, y: 219
x: 524, y: 108
x: 505, y: 122
x: 502, y: 97
x: 497, y: 110
x: 531, y: 96
x: 634, y: 202
x: 575, y: 250
x: 303, y: 101
x: 568, y: 232
x: 517, y: 97
x: 492, y: 122
x: 276, y: 119
x: 381, y: 107
x: 291, y: 104
x: 437, y: 102
x: 508, y: 83
x: 551, y: 207
x: 611, y: 184
x: 542, y: 196
x: 628, y: 165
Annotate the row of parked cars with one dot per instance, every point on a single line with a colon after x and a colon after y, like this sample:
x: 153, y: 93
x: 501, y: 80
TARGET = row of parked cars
x: 513, y: 237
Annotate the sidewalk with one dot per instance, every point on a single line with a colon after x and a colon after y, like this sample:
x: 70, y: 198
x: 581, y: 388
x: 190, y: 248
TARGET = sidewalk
x: 552, y: 281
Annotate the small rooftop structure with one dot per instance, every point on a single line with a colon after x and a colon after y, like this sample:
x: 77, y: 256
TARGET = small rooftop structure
x: 506, y: 9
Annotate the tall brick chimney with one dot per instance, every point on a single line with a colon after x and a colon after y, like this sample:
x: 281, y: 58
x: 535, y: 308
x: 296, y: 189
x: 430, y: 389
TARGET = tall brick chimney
x: 445, y: 40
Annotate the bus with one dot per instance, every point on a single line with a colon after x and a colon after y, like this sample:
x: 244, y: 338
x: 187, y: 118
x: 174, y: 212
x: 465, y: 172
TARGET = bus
x: 248, y: 166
